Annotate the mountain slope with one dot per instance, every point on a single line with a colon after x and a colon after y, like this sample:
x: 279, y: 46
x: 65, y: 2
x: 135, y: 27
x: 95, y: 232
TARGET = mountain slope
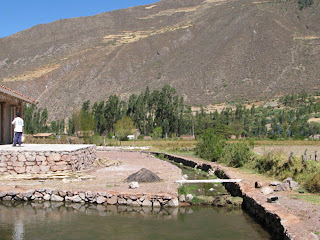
x: 210, y: 50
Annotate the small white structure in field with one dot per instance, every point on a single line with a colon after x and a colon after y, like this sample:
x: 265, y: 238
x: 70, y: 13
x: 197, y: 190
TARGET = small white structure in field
x: 130, y: 137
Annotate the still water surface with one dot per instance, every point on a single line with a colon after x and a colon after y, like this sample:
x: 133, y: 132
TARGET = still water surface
x: 48, y: 221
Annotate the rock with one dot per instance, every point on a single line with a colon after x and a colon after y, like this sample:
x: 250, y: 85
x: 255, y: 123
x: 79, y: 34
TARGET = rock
x: 7, y: 198
x: 37, y: 195
x: 272, y: 199
x: 185, y: 176
x: 235, y: 201
x: 122, y: 201
x: 289, y: 179
x: 173, y: 203
x: 211, y: 189
x: 134, y: 185
x: 82, y: 195
x: 44, y: 169
x: 113, y: 200
x: 266, y: 190
x: 314, y: 236
x: 274, y: 183
x: 18, y: 164
x: 294, y: 185
x: 90, y: 195
x: 55, y: 157
x: 21, y: 158
x: 35, y: 169
x: 282, y: 187
x: 146, y: 203
x: 136, y: 203
x: 30, y: 163
x: 62, y: 193
x: 189, y: 197
x: 26, y: 195
x: 3, y: 194
x: 258, y: 185
x: 143, y: 175
x: 56, y: 198
x: 40, y: 158
x: 219, y: 201
x: 75, y: 199
x: 19, y: 170
x: 182, y: 198
x: 156, y: 204
x: 12, y: 193
x: 47, y: 197
x: 101, y: 199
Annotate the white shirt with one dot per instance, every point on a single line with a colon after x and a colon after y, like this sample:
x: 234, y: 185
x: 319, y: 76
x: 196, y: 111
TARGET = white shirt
x: 18, y: 124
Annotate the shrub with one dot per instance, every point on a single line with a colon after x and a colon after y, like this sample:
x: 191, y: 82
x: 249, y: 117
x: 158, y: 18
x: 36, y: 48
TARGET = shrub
x: 236, y: 154
x: 210, y: 145
x: 313, y: 183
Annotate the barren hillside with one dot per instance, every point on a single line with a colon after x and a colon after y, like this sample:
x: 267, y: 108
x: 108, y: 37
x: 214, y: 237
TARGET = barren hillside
x: 209, y: 50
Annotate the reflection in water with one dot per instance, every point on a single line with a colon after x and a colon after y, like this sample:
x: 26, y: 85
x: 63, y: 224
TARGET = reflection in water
x: 18, y: 230
x: 53, y: 220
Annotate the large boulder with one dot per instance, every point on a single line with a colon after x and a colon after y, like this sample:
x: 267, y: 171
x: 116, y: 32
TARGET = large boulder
x: 143, y: 175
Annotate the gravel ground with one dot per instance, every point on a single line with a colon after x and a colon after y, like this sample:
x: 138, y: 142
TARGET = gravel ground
x: 112, y: 178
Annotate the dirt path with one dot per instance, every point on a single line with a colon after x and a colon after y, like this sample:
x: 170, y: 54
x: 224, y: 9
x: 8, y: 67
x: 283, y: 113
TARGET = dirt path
x: 112, y: 179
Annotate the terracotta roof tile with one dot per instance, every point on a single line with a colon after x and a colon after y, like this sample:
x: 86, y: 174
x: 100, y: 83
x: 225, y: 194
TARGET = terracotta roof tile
x: 19, y: 94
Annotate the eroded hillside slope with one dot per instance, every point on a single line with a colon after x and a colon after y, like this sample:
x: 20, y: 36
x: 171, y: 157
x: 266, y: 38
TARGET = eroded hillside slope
x: 210, y: 50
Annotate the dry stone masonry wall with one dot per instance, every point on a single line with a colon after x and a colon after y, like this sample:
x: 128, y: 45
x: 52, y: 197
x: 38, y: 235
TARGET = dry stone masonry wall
x: 25, y: 162
x: 143, y: 200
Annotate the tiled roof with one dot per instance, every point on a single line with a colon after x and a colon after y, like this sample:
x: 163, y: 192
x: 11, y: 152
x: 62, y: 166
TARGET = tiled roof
x: 17, y: 95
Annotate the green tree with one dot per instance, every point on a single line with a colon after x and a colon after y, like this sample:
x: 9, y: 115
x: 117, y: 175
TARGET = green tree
x: 123, y: 128
x: 157, y: 133
x: 210, y: 145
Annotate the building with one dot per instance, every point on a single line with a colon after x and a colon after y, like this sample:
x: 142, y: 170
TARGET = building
x: 11, y: 102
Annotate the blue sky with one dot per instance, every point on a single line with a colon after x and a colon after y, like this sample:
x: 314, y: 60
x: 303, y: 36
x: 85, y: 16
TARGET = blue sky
x: 17, y: 15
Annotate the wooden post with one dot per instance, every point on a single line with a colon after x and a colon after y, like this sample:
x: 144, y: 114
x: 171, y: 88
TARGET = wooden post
x: 3, y: 122
x: 21, y: 109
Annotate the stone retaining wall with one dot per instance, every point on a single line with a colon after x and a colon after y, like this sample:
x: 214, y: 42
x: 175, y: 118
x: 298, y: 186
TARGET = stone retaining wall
x: 267, y: 219
x: 90, y: 197
x: 21, y: 162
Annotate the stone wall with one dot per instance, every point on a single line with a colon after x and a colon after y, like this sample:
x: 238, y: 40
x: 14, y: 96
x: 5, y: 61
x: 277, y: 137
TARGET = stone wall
x: 266, y: 218
x: 21, y: 162
x: 90, y: 197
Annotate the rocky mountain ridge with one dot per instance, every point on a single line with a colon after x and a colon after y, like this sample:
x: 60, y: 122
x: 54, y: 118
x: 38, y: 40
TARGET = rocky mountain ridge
x: 209, y: 50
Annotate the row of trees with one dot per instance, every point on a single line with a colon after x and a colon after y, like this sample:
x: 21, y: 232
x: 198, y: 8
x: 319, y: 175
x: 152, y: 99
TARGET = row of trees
x: 36, y: 121
x: 148, y: 110
x: 165, y: 112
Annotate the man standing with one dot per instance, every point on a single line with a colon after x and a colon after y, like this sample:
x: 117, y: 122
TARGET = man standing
x: 18, y: 129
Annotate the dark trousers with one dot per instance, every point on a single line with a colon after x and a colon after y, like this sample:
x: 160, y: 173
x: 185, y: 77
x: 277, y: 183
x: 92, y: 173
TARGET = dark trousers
x: 17, y: 138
